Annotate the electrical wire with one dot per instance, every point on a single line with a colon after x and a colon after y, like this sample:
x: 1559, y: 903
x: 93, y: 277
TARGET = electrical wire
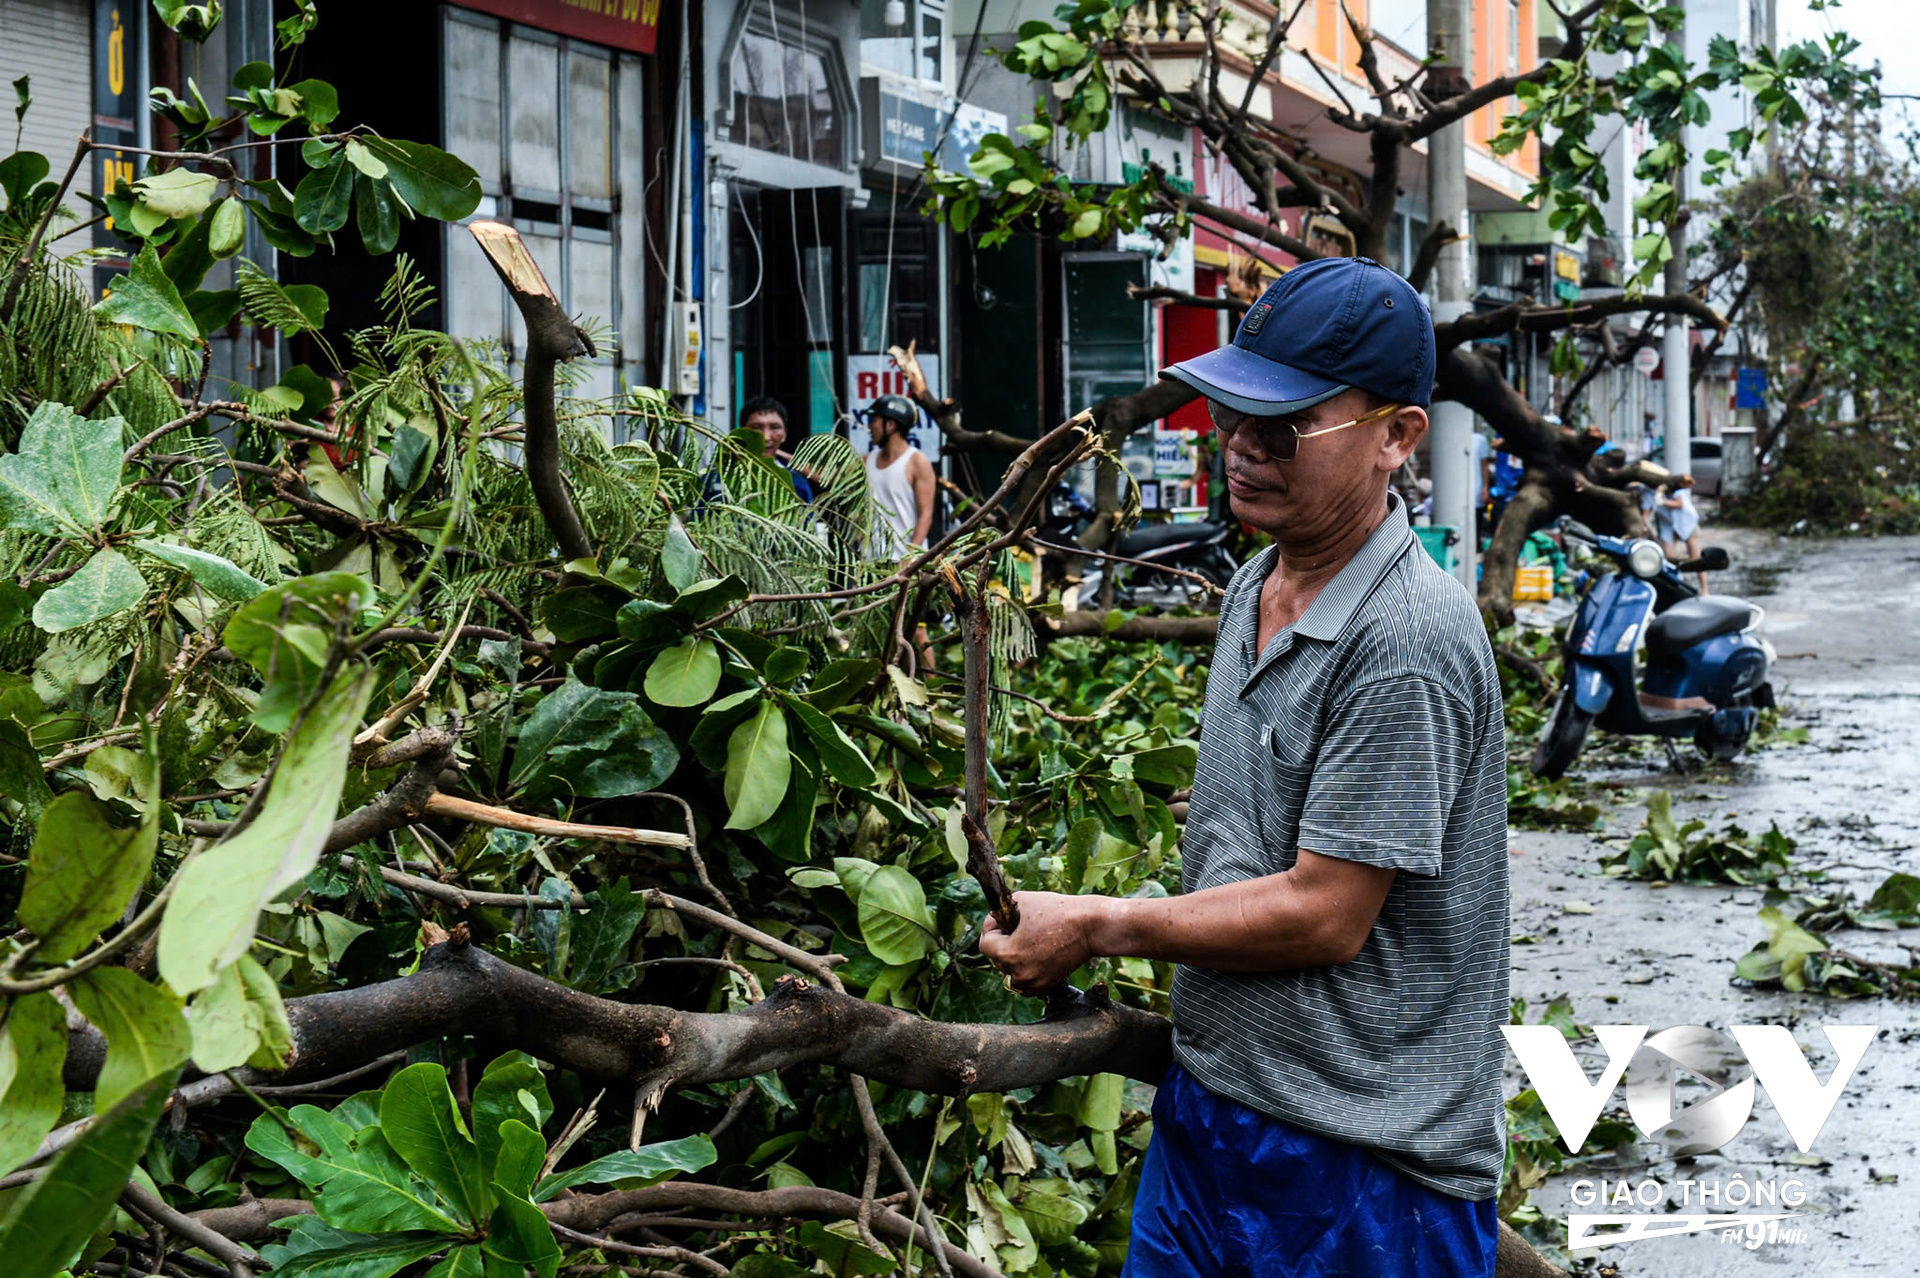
x: 759, y: 261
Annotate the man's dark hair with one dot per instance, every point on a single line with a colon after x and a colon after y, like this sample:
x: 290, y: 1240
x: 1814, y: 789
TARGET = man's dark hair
x: 764, y: 404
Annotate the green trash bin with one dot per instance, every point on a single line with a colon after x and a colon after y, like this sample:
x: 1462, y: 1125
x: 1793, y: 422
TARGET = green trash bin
x: 1439, y: 539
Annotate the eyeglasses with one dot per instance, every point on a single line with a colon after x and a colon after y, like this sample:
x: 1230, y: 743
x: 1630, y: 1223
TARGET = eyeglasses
x: 1280, y: 436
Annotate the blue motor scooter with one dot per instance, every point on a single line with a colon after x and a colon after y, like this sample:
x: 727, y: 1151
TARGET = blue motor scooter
x: 1707, y: 665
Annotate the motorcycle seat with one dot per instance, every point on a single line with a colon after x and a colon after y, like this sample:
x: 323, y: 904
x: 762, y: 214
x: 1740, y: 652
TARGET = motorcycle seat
x: 1155, y: 536
x: 1692, y: 621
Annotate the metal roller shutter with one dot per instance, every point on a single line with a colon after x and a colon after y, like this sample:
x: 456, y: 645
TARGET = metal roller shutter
x: 51, y: 41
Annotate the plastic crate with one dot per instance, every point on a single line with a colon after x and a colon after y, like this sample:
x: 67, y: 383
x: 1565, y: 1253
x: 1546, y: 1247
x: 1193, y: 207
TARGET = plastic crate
x: 1439, y: 540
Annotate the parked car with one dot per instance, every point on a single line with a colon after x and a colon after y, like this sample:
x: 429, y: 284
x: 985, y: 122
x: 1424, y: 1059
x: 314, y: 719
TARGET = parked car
x: 1706, y: 464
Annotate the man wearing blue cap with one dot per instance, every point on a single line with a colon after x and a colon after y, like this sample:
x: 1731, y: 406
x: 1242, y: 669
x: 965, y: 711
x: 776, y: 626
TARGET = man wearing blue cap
x: 1341, y: 937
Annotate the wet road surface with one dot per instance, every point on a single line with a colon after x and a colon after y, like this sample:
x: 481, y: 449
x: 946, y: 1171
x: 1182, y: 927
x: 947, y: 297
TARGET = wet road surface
x: 1845, y: 617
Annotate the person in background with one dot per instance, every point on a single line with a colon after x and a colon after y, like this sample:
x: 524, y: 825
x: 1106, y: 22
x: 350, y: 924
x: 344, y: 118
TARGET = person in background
x: 1507, y: 472
x: 900, y: 478
x: 767, y: 415
x: 1682, y: 531
x: 901, y: 483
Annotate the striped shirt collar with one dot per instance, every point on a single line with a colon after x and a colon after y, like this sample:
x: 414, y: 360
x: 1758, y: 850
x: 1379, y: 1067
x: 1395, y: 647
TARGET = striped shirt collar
x: 1340, y: 598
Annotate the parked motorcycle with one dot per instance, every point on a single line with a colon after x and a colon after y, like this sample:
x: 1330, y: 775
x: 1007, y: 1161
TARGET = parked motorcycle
x: 1200, y: 548
x: 1707, y: 664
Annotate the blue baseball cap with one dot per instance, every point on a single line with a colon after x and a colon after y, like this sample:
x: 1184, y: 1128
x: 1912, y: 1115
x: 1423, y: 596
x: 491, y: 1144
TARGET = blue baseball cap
x: 1324, y: 327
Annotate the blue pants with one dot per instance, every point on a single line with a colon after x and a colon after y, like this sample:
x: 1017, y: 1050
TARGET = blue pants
x: 1227, y: 1192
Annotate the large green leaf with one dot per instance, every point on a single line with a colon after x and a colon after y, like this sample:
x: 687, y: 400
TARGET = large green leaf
x: 363, y: 1185
x: 424, y: 1127
x: 177, y: 192
x: 21, y: 777
x: 685, y: 674
x: 33, y: 1052
x: 592, y: 743
x: 106, y: 584
x: 377, y: 214
x: 83, y: 871
x: 284, y: 632
x: 218, y: 895
x: 240, y: 1019
x: 511, y: 1090
x: 433, y: 183
x: 146, y: 298
x: 518, y: 1235
x: 648, y: 1164
x: 146, y: 1035
x: 324, y: 197
x: 222, y: 578
x: 894, y: 920
x: 315, y: 1249
x: 47, y: 1224
x: 847, y: 762
x: 461, y: 1262
x: 62, y: 479
x: 521, y: 1153
x: 758, y: 767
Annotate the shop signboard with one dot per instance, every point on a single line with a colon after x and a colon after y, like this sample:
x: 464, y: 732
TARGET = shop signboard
x: 905, y: 120
x: 871, y: 376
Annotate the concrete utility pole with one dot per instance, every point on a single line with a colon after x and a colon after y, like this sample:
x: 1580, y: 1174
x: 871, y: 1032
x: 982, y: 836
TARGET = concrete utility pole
x: 1675, y: 346
x: 1455, y: 486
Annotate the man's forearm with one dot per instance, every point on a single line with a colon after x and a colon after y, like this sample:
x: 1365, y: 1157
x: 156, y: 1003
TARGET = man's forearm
x: 1260, y: 925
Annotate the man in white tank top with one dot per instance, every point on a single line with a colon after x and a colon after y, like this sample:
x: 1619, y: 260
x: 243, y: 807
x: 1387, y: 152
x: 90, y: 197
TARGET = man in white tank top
x: 900, y: 478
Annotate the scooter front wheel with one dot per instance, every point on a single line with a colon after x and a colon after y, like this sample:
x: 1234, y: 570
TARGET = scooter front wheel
x: 1563, y: 738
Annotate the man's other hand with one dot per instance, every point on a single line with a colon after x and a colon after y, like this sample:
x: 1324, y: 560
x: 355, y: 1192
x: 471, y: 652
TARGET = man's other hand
x: 1054, y: 937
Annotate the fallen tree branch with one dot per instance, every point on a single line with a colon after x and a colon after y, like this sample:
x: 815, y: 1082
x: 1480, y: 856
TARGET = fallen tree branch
x: 1152, y: 629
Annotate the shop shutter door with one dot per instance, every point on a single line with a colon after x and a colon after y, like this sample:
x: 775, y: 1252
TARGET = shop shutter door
x: 51, y: 41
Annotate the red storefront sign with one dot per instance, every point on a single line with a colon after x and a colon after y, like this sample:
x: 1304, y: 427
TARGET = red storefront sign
x: 618, y: 24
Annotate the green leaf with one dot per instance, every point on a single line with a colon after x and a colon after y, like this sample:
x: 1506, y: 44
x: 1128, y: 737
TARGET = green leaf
x: 106, y: 584
x: 177, y: 192
x: 21, y: 777
x: 647, y: 1165
x: 1100, y: 1102
x: 319, y: 102
x: 227, y: 229
x: 283, y: 633
x: 758, y: 767
x: 839, y: 680
x: 511, y: 1090
x: 788, y: 833
x: 424, y: 1127
x: 33, y: 1052
x: 519, y: 1235
x: 377, y: 214
x: 146, y: 1035
x: 1052, y: 1217
x: 362, y: 1183
x: 83, y: 871
x: 21, y: 172
x: 61, y: 480
x: 680, y: 559
x: 592, y: 743
x: 686, y: 674
x: 239, y: 1019
x: 222, y: 578
x: 146, y: 298
x: 218, y: 895
x: 845, y: 761
x: 50, y: 1219
x: 433, y: 183
x: 364, y: 160
x: 315, y: 1249
x: 324, y: 198
x: 894, y: 920
x: 517, y: 1160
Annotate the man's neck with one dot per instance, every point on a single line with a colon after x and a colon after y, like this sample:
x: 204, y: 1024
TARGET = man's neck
x: 1307, y: 563
x: 892, y: 447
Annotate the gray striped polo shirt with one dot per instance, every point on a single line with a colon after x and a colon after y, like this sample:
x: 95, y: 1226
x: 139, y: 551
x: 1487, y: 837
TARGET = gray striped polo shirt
x: 1369, y: 730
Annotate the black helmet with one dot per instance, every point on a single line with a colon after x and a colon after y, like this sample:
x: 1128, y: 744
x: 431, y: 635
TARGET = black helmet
x: 896, y: 408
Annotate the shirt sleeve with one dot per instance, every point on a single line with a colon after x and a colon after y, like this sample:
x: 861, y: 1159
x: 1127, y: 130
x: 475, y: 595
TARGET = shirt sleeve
x: 1388, y: 773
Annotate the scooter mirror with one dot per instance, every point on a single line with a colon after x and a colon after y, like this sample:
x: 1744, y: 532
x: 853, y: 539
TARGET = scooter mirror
x: 1714, y: 558
x: 1571, y: 527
